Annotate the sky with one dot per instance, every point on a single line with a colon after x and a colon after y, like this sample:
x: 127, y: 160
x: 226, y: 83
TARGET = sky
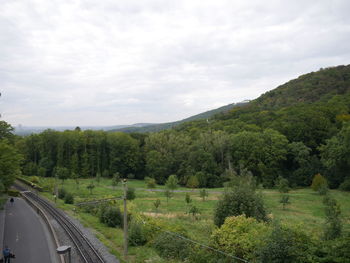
x: 114, y: 62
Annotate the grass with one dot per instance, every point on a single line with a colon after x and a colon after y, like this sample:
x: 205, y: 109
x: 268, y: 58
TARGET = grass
x: 306, y: 209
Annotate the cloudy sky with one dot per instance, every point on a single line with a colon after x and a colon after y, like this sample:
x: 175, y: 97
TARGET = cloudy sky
x: 108, y: 62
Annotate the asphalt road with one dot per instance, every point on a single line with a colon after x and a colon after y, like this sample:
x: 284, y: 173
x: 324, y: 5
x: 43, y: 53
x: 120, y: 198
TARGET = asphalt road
x: 26, y: 235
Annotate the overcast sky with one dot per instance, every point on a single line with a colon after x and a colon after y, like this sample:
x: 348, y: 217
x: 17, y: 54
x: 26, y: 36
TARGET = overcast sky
x: 109, y: 62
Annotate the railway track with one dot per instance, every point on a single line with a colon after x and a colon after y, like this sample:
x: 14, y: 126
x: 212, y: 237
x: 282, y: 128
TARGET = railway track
x: 83, y: 247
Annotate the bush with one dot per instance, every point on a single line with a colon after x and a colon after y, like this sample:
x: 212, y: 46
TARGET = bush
x: 171, y: 247
x: 35, y: 179
x: 130, y: 193
x: 345, y: 186
x: 238, y: 201
x: 137, y: 236
x: 282, y: 184
x: 13, y: 192
x: 240, y: 236
x: 286, y: 244
x: 111, y: 216
x: 318, y: 181
x: 61, y: 193
x: 69, y: 198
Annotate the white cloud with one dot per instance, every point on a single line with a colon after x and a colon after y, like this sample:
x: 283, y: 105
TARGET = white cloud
x: 121, y: 62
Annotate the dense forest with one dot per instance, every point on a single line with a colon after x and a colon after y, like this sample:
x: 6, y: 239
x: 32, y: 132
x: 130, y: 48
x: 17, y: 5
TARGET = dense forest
x: 295, y: 131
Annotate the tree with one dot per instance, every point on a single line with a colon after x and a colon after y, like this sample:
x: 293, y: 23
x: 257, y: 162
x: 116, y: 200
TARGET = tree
x: 194, y: 211
x: 240, y: 236
x: 98, y: 178
x: 282, y: 184
x: 150, y: 182
x: 168, y: 194
x: 115, y: 180
x: 188, y: 199
x: 75, y: 177
x: 192, y: 182
x: 318, y: 182
x: 91, y: 186
x: 172, y: 183
x: 286, y: 245
x: 62, y: 173
x: 240, y: 199
x: 10, y: 161
x: 284, y: 200
x: 203, y: 194
x: 333, y: 224
x: 156, y: 204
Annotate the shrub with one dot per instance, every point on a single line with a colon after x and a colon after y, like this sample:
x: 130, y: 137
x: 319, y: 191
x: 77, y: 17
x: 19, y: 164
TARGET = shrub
x: 171, y: 247
x: 130, y: 193
x: 192, y: 182
x: 238, y: 201
x: 137, y: 236
x: 13, y: 192
x: 61, y: 193
x: 150, y: 182
x: 35, y: 179
x: 333, y: 224
x: 286, y: 244
x: 318, y: 181
x: 345, y: 186
x: 69, y: 198
x: 111, y: 216
x: 282, y: 184
x: 240, y: 236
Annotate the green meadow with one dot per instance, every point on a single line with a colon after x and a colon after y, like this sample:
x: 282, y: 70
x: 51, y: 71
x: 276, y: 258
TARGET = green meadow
x: 305, y: 209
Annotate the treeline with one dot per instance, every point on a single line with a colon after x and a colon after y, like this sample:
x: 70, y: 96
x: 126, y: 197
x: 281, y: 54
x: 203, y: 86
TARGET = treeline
x: 296, y: 131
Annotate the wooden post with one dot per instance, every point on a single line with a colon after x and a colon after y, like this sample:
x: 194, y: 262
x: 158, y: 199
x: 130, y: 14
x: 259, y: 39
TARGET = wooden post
x: 125, y: 221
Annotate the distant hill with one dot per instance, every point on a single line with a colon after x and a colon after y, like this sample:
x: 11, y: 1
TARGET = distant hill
x: 169, y: 125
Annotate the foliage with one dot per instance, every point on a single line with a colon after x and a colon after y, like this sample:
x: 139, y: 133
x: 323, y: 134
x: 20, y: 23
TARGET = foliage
x: 62, y: 192
x: 172, y: 182
x: 136, y: 234
x: 168, y: 194
x: 194, y: 211
x: 188, y: 199
x: 115, y: 180
x: 284, y: 200
x: 240, y: 199
x: 91, y: 186
x: 345, y: 186
x: 192, y: 182
x: 282, y: 184
x: 62, y: 173
x: 69, y: 198
x: 318, y: 181
x: 111, y: 216
x: 156, y: 204
x: 286, y: 244
x: 9, y: 163
x: 130, y: 193
x: 98, y: 178
x: 150, y: 182
x: 171, y: 247
x: 240, y: 236
x: 333, y: 225
x: 203, y: 194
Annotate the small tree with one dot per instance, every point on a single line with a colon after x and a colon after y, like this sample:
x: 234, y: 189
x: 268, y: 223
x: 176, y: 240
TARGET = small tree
x: 192, y: 182
x: 115, y: 180
x: 318, y: 181
x: 156, y: 204
x: 282, y: 184
x: 105, y: 173
x: 333, y: 225
x: 188, y: 199
x: 284, y: 200
x: 194, y: 211
x: 62, y: 173
x: 168, y: 194
x: 75, y: 177
x: 150, y: 182
x: 91, y: 186
x: 203, y: 194
x: 172, y: 182
x: 130, y: 193
x: 98, y: 178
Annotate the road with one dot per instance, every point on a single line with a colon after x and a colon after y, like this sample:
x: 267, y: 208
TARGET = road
x: 26, y: 234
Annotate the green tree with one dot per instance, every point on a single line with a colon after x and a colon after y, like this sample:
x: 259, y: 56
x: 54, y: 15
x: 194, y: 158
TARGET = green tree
x: 168, y: 194
x: 115, y: 180
x: 91, y: 186
x: 62, y: 173
x: 282, y: 184
x: 98, y: 178
x: 192, y: 182
x: 156, y: 204
x: 240, y: 199
x: 333, y: 225
x: 10, y: 161
x: 172, y: 182
x: 318, y: 182
x: 203, y: 194
x: 284, y: 200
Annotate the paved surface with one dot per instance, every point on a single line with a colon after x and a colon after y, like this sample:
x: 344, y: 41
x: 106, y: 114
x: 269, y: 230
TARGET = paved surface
x: 26, y: 234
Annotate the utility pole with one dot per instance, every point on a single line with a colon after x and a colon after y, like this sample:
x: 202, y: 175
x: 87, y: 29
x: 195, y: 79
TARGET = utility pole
x: 125, y: 221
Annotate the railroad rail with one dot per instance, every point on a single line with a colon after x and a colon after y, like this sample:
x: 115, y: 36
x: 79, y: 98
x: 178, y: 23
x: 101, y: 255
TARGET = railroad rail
x: 83, y: 246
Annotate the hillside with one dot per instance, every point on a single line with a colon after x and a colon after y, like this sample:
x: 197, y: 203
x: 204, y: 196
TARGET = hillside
x: 169, y: 125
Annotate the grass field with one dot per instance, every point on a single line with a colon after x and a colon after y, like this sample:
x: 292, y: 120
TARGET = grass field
x: 306, y: 209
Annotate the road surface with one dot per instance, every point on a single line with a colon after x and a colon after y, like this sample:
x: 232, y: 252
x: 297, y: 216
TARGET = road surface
x: 27, y: 235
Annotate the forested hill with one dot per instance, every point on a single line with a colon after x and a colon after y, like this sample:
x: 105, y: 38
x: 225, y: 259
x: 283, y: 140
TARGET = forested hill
x: 308, y: 88
x: 169, y: 125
